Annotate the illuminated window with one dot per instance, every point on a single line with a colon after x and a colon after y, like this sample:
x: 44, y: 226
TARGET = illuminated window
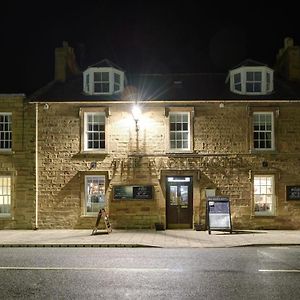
x: 94, y: 131
x: 5, y: 196
x: 264, y: 195
x: 263, y: 131
x: 94, y: 194
x: 5, y: 131
x: 179, y: 124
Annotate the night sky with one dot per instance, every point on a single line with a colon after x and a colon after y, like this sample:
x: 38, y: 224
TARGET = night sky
x: 139, y: 36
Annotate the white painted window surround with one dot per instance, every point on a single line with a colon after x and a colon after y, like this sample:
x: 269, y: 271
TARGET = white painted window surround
x: 251, y: 80
x: 103, y: 81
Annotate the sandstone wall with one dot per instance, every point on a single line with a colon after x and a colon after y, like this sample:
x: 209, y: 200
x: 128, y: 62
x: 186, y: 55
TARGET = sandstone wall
x: 221, y: 159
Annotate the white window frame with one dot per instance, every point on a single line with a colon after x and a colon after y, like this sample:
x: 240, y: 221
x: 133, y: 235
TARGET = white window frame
x: 114, y: 87
x: 264, y: 132
x: 264, y: 197
x: 266, y: 80
x: 5, y: 195
x: 6, y: 132
x: 117, y: 83
x: 177, y: 133
x: 86, y: 133
x: 94, y: 194
x: 252, y: 82
x: 101, y: 81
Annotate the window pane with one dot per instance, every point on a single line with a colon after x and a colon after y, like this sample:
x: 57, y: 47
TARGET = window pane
x: 237, y: 78
x: 94, y: 194
x: 253, y: 82
x: 249, y: 87
x: 257, y: 76
x: 257, y: 87
x: 101, y: 82
x: 5, y: 195
x: 249, y: 76
x: 105, y: 76
x: 105, y: 87
x: 117, y: 78
x: 262, y: 130
x: 264, y: 199
x: 97, y: 88
x: 179, y: 131
x: 94, y: 130
x: 238, y: 87
x: 97, y: 76
x: 5, y: 131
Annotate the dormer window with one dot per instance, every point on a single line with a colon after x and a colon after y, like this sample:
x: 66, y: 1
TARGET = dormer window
x: 251, y: 80
x: 103, y: 79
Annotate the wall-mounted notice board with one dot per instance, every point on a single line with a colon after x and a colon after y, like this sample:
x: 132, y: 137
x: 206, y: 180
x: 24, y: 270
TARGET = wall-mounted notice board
x: 133, y: 192
x: 293, y: 192
x: 218, y: 213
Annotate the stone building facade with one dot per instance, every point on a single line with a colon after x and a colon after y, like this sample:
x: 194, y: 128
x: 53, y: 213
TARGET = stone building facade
x: 235, y: 135
x: 17, y: 160
x: 221, y: 160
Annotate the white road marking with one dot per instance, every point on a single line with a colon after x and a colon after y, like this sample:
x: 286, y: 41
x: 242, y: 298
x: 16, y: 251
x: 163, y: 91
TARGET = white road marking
x: 280, y: 271
x: 86, y: 269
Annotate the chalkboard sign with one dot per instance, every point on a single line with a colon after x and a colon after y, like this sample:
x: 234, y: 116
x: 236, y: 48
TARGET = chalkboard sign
x: 293, y: 192
x: 133, y: 192
x: 218, y: 213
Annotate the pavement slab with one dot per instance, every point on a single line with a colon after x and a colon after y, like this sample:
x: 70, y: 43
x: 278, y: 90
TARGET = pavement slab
x: 146, y: 238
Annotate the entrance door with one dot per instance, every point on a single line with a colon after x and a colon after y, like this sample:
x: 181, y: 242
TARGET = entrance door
x: 179, y: 204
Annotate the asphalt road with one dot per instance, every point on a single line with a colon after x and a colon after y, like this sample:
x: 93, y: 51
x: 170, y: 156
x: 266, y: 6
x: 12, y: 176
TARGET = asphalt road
x: 150, y: 273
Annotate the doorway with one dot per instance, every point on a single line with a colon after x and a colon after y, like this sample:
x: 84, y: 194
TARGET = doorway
x: 179, y: 206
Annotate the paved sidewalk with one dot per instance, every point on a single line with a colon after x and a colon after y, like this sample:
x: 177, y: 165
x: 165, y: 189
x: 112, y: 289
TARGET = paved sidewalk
x: 146, y: 238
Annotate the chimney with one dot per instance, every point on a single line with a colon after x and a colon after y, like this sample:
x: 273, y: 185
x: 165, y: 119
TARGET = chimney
x: 65, y: 62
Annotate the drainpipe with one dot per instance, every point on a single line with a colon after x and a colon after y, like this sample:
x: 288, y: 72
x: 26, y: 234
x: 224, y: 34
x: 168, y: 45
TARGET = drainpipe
x: 36, y: 166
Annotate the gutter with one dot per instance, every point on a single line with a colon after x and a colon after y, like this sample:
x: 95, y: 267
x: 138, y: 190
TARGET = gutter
x: 168, y: 102
x: 36, y: 166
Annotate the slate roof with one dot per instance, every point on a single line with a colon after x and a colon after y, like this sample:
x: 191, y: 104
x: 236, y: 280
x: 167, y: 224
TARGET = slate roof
x: 167, y: 87
x: 104, y: 63
x: 249, y: 63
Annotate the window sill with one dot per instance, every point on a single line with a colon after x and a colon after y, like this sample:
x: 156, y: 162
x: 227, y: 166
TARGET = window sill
x: 96, y: 153
x: 179, y: 152
x: 89, y: 216
x: 264, y: 216
x: 6, y: 217
x: 6, y: 152
x: 263, y: 151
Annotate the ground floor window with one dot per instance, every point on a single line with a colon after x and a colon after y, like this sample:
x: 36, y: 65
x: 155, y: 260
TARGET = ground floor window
x: 94, y: 193
x: 5, y: 196
x: 264, y: 195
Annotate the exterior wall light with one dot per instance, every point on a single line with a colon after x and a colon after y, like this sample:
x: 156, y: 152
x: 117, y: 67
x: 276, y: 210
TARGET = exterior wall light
x: 136, y: 113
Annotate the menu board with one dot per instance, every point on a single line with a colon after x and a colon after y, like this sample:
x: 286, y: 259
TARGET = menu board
x: 133, y: 192
x: 293, y: 192
x: 218, y: 213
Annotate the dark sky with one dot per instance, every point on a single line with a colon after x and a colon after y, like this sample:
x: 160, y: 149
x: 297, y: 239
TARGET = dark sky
x: 140, y: 36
